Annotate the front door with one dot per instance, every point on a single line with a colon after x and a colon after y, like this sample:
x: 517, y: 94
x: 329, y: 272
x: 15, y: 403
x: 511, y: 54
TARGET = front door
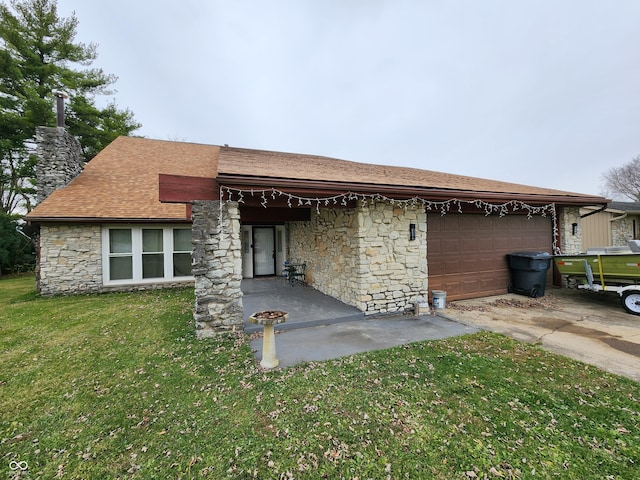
x: 264, y: 253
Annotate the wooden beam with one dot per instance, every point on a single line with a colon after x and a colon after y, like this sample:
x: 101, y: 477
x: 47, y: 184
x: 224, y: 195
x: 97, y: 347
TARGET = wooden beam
x: 183, y: 189
x: 273, y: 215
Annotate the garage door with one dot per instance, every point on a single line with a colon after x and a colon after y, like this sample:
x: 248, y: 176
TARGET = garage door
x: 466, y: 252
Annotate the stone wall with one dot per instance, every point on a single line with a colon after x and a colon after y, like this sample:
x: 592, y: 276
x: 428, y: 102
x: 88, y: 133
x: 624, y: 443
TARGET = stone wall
x: 217, y: 268
x: 393, y: 268
x: 569, y: 243
x: 329, y: 244
x: 622, y: 230
x: 363, y: 256
x: 71, y: 262
x: 60, y: 160
x: 70, y: 259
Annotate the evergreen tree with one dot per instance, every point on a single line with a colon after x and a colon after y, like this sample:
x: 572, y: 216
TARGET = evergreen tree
x: 38, y: 59
x: 17, y: 252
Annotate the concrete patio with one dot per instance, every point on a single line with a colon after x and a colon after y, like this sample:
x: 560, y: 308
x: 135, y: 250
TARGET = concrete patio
x: 322, y: 328
x: 306, y: 306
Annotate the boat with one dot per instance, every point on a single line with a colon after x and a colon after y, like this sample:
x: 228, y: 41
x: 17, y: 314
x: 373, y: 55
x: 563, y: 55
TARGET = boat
x: 606, y: 269
x: 614, y: 267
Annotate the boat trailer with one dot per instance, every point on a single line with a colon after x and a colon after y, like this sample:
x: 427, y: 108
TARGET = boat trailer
x: 629, y: 294
x: 617, y: 272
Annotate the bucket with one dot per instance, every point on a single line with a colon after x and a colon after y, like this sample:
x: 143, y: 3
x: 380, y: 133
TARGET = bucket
x: 439, y: 299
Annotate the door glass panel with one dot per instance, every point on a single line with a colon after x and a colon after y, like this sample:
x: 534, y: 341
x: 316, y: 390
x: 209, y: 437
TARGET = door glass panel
x: 247, y: 252
x: 263, y: 251
x: 246, y: 244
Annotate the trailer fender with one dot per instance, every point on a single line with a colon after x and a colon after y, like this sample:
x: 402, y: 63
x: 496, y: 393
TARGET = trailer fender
x: 628, y: 288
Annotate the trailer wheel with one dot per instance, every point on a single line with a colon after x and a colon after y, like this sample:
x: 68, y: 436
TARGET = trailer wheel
x: 631, y: 301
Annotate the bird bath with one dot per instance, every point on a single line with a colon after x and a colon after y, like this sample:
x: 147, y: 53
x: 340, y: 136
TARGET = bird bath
x: 269, y: 318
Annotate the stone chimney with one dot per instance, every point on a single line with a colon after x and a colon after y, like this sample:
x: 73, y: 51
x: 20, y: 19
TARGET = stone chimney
x: 60, y: 157
x: 60, y: 160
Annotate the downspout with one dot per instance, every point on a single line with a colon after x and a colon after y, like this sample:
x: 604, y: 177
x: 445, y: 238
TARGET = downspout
x: 618, y: 218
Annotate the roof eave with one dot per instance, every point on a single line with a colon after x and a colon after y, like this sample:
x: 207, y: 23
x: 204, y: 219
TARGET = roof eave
x: 436, y: 194
x: 104, y: 220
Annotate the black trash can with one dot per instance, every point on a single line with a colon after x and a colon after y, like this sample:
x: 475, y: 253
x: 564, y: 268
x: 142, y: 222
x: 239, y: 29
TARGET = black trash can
x: 528, y: 272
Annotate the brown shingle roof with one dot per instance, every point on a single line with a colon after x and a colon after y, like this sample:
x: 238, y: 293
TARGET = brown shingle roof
x: 238, y: 161
x: 121, y: 182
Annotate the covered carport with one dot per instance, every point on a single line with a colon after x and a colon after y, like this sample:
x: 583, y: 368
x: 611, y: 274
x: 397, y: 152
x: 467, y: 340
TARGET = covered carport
x: 376, y: 237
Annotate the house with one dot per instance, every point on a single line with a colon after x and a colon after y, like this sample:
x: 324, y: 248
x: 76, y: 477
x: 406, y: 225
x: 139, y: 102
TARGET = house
x: 614, y: 225
x: 149, y: 213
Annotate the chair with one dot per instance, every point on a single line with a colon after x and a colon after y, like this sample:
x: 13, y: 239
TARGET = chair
x: 297, y: 272
x: 287, y: 267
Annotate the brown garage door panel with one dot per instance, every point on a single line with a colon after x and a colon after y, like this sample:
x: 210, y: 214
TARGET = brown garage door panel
x: 500, y: 243
x: 466, y: 252
x: 471, y: 286
x: 484, y: 262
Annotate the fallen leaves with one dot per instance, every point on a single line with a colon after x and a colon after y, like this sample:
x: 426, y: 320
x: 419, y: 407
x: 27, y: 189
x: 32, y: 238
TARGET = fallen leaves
x: 548, y: 301
x: 269, y: 314
x: 164, y: 405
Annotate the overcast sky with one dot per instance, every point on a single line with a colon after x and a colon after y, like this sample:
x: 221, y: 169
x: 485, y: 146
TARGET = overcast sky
x: 538, y: 92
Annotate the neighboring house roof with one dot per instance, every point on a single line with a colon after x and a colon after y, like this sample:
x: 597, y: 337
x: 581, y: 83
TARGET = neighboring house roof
x: 628, y: 207
x: 121, y: 182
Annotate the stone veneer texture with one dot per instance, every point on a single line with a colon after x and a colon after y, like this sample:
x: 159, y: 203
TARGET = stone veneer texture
x: 570, y: 244
x: 60, y: 159
x: 363, y: 256
x: 70, y: 259
x: 622, y: 230
x: 217, y: 268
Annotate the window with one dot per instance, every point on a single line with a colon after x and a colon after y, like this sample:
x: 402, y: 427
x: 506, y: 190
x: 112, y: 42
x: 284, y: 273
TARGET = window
x: 120, y: 254
x: 181, y: 252
x: 152, y: 253
x: 141, y: 254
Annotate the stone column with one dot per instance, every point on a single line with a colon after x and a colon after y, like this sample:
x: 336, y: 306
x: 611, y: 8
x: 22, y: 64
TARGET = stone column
x: 570, y: 243
x: 391, y: 268
x: 217, y: 268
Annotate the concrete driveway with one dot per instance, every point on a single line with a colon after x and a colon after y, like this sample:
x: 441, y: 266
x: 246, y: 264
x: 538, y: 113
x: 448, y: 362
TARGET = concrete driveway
x: 589, y: 327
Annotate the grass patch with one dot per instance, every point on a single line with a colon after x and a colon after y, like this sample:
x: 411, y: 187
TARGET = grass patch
x: 117, y: 386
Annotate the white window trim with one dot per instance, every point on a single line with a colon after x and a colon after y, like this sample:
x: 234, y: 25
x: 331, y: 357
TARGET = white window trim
x: 136, y: 240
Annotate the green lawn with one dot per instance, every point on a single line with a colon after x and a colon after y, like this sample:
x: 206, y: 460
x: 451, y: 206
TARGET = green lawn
x: 116, y: 386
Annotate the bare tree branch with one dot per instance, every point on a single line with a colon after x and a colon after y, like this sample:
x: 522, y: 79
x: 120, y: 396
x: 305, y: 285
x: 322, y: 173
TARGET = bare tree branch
x: 624, y: 180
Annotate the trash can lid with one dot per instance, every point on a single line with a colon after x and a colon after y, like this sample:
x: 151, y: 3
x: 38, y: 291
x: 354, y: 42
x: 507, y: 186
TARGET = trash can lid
x: 531, y: 254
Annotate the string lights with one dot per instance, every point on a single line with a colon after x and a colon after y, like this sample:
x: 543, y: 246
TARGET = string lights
x: 229, y: 194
